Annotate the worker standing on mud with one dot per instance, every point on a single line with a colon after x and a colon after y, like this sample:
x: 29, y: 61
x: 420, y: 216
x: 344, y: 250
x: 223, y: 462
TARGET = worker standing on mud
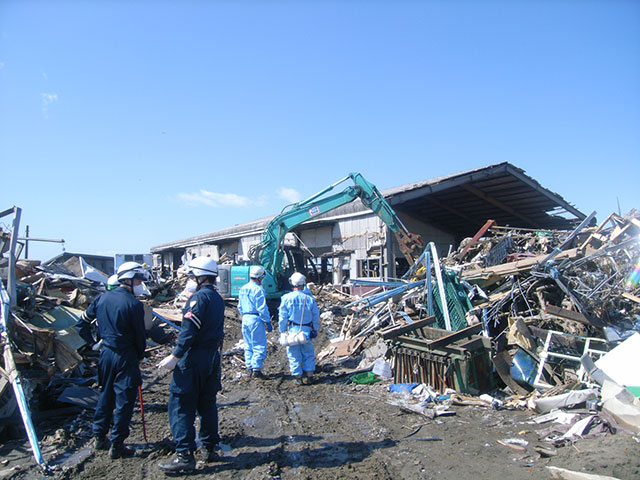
x: 196, y: 366
x: 121, y: 330
x: 252, y: 305
x: 299, y: 313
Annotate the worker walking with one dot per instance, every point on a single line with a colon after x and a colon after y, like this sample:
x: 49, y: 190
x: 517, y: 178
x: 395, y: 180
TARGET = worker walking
x: 252, y: 305
x: 299, y: 313
x: 120, y: 318
x: 196, y: 366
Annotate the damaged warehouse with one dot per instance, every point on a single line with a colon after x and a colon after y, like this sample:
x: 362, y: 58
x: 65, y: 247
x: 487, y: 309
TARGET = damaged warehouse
x: 501, y: 352
x: 351, y: 241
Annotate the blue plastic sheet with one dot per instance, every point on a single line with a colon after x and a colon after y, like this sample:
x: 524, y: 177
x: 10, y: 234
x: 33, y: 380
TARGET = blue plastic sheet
x: 402, y: 387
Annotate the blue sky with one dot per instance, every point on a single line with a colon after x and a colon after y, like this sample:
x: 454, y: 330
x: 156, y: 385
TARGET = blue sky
x: 124, y: 125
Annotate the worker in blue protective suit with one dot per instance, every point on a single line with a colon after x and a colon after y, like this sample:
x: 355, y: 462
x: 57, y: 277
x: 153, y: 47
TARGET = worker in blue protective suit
x: 252, y: 305
x: 196, y: 365
x: 120, y: 318
x: 299, y: 312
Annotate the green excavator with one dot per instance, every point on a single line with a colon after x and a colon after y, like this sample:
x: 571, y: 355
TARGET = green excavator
x: 280, y: 260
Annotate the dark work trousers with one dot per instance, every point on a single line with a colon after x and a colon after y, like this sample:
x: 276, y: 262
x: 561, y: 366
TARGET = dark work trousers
x: 195, y: 383
x: 118, y: 377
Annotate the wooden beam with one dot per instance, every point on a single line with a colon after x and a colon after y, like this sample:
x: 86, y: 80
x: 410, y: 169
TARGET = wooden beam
x: 497, y: 203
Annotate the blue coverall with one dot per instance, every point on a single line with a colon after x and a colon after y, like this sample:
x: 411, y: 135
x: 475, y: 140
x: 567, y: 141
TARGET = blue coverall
x: 197, y: 376
x: 299, y: 312
x: 252, y: 305
x: 121, y: 327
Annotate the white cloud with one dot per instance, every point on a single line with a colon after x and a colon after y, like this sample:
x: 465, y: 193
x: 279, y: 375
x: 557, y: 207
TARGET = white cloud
x: 215, y: 199
x: 289, y: 194
x: 48, y: 99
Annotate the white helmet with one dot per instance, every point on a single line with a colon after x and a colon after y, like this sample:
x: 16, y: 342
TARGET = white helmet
x: 257, y: 272
x: 113, y: 282
x: 297, y: 279
x: 132, y: 270
x: 202, y: 267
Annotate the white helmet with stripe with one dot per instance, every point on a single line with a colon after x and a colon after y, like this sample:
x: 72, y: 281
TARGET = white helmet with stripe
x: 203, y: 267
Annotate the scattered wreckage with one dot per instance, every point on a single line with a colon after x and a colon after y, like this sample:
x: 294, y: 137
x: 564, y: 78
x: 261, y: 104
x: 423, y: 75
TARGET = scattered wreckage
x: 513, y: 319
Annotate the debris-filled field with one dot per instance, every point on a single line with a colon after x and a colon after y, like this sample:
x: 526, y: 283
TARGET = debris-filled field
x: 515, y: 355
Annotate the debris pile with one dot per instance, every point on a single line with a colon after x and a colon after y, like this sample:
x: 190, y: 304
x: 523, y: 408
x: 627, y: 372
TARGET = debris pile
x: 537, y: 306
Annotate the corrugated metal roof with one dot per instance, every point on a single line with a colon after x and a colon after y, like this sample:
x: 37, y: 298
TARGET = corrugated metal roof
x: 462, y: 202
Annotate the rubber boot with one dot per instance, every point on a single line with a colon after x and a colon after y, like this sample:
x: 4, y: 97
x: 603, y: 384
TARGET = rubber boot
x: 258, y: 374
x: 118, y: 450
x: 183, y: 461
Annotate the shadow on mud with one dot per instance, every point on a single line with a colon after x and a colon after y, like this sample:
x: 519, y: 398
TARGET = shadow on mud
x: 251, y: 441
x: 239, y: 403
x: 326, y: 455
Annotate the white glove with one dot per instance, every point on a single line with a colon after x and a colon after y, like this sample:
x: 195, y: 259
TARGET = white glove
x: 169, y: 362
x: 97, y: 346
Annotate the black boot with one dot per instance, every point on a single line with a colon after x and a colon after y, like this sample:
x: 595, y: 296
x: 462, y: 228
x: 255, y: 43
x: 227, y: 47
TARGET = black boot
x: 258, y: 374
x: 118, y: 450
x: 210, y: 454
x: 100, y: 442
x: 183, y: 461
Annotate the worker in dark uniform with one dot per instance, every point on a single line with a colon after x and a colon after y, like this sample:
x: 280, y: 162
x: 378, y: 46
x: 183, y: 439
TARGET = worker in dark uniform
x: 120, y: 319
x: 86, y: 326
x: 195, y: 362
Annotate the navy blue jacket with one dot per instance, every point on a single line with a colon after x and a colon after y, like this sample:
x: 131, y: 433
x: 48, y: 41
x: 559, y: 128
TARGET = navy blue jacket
x: 120, y: 321
x: 202, y: 322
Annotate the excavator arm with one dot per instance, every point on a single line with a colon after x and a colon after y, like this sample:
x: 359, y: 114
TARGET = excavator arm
x: 269, y: 252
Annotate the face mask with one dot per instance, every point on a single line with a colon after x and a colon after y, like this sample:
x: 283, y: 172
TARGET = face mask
x: 140, y: 290
x: 191, y: 286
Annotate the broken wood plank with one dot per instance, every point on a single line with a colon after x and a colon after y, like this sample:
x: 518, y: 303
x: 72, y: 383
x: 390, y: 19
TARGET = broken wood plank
x: 633, y: 298
x: 347, y: 348
x: 506, y: 269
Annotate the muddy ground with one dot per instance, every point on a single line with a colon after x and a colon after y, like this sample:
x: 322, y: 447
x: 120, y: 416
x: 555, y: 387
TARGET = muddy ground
x: 333, y: 429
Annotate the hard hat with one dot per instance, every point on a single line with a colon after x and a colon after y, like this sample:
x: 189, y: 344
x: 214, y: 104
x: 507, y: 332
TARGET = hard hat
x: 203, y: 266
x: 112, y: 282
x: 257, y: 272
x: 297, y: 279
x: 132, y: 270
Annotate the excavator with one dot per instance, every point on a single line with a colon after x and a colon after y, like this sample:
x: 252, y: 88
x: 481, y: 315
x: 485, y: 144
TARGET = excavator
x: 280, y: 260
